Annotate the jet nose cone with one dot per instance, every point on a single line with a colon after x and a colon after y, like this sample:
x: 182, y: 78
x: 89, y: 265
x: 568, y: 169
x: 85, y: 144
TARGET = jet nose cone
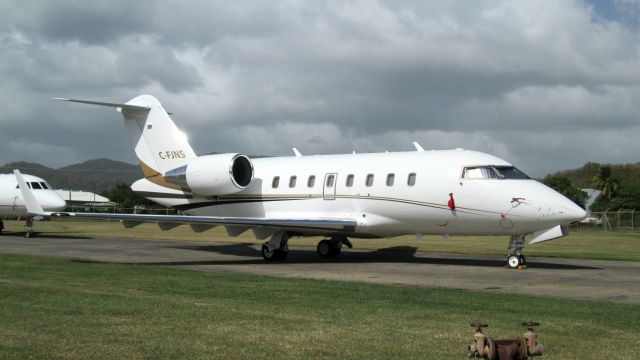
x: 54, y: 203
x: 570, y: 212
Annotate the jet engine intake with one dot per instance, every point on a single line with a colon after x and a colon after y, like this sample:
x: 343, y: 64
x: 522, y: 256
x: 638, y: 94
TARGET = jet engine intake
x: 219, y: 174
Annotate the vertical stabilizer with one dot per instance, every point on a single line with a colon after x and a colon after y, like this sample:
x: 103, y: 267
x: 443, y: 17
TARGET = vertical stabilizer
x: 159, y: 145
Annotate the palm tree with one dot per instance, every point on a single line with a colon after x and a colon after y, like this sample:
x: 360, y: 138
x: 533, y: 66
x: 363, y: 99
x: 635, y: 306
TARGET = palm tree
x: 605, y: 182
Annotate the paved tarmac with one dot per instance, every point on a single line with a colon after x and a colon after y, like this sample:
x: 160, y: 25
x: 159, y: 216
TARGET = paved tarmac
x: 614, y: 281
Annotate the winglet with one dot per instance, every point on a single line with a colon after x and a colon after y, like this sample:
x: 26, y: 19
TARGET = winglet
x: 33, y: 206
x: 418, y: 147
x: 296, y: 152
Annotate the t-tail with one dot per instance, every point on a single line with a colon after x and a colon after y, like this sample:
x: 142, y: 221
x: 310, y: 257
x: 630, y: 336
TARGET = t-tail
x: 167, y: 159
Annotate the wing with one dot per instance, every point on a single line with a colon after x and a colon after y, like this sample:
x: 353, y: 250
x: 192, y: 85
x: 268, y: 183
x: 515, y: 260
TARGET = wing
x: 262, y: 227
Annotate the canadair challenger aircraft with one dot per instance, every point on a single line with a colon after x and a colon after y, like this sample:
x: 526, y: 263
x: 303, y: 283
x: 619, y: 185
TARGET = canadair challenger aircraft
x: 15, y: 188
x: 452, y: 192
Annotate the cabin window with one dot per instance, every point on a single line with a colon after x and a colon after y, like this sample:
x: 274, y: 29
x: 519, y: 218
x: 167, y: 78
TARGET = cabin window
x: 292, y: 181
x: 493, y: 172
x: 369, y: 181
x: 275, y: 182
x: 390, y: 179
x: 411, y: 180
x: 311, y: 181
x: 330, y: 180
x: 44, y: 185
x: 36, y: 186
x: 350, y: 180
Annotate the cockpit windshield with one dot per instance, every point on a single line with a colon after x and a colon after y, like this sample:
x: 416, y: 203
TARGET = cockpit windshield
x: 493, y: 172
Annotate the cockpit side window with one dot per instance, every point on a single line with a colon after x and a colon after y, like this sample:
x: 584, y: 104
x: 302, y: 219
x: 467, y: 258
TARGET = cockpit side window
x: 510, y: 172
x: 479, y: 172
x: 36, y: 186
x: 44, y: 185
x: 493, y: 172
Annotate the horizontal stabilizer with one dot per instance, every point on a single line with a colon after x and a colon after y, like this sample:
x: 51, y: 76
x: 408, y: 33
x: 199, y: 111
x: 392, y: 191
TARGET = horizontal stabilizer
x: 100, y: 103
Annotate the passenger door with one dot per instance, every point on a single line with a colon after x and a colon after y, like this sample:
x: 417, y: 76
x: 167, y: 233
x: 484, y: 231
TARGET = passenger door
x: 329, y: 186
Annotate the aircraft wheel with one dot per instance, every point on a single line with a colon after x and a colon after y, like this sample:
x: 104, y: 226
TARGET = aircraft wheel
x: 335, y: 249
x: 29, y: 234
x: 281, y: 255
x: 513, y: 261
x: 268, y: 253
x: 324, y: 248
x: 523, y: 260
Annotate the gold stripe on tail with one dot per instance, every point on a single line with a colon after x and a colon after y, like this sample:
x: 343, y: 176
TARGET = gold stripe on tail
x: 155, y: 177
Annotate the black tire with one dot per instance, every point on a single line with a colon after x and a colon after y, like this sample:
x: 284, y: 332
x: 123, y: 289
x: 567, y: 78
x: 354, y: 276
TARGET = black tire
x: 268, y: 254
x: 523, y: 260
x: 513, y: 261
x: 281, y: 255
x: 324, y: 248
x: 335, y: 249
x: 28, y: 234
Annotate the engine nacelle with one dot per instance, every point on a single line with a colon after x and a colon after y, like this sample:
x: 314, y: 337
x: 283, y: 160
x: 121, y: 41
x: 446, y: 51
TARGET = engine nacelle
x: 220, y: 174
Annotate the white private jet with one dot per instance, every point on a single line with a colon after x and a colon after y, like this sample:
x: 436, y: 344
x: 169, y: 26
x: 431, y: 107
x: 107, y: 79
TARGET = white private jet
x: 451, y: 192
x: 15, y: 188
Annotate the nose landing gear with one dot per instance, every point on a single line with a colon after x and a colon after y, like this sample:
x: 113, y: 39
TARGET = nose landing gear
x: 515, y: 259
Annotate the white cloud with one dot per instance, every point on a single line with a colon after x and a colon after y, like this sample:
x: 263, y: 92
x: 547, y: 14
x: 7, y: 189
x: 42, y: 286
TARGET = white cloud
x: 527, y: 81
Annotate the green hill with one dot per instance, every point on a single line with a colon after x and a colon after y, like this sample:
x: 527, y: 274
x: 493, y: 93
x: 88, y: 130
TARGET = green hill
x: 94, y: 175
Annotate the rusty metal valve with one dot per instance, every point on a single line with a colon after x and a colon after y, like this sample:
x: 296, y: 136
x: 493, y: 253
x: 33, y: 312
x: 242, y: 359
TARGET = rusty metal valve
x: 483, y: 347
x: 534, y: 348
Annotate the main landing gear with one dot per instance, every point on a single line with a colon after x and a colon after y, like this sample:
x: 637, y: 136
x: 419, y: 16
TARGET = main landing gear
x: 277, y: 248
x: 331, y: 247
x: 515, y: 259
x: 29, y: 226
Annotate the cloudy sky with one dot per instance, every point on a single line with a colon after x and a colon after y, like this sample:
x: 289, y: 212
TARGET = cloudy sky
x: 547, y: 85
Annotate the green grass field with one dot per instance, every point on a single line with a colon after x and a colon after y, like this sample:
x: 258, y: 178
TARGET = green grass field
x: 51, y: 308
x: 581, y: 244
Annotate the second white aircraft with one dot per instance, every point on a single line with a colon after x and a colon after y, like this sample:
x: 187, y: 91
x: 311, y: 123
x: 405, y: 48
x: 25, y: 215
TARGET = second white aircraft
x: 450, y: 192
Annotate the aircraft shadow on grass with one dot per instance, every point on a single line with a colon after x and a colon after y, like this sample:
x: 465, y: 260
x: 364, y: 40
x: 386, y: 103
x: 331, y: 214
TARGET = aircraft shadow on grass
x: 399, y: 254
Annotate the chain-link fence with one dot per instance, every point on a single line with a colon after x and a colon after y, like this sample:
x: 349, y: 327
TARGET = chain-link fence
x: 622, y: 220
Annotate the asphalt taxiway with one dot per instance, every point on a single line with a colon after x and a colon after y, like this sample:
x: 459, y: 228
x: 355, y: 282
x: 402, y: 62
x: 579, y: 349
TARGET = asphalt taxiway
x: 615, y: 281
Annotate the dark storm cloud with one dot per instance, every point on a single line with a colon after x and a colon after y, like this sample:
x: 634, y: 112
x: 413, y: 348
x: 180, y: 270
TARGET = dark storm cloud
x: 547, y: 84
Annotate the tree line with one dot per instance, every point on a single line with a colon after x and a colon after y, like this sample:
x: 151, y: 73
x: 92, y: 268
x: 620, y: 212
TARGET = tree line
x: 619, y: 184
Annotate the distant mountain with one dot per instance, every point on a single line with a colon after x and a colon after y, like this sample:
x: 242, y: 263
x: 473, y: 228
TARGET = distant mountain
x: 94, y: 175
